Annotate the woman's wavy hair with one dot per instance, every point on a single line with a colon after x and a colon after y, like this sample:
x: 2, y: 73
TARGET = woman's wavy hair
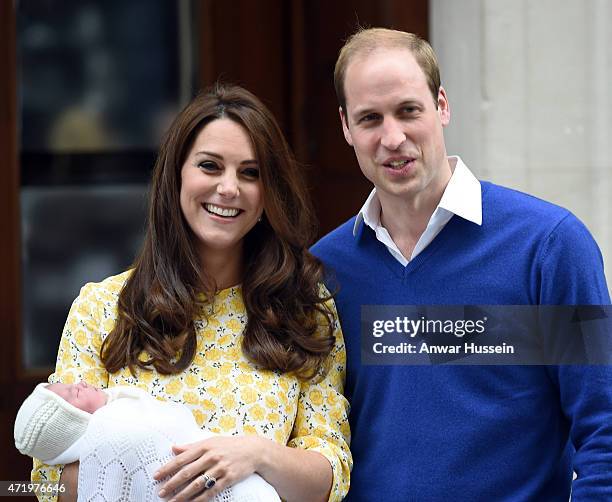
x: 161, y: 298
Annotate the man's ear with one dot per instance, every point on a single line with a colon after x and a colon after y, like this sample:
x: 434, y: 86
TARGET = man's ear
x: 443, y: 107
x: 345, y: 129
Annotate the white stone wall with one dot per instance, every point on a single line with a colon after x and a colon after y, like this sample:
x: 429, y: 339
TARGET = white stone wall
x: 529, y: 84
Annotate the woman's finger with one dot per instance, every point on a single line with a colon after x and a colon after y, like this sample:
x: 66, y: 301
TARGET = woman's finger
x: 222, y: 481
x: 178, y: 462
x: 200, y: 487
x: 178, y: 449
x: 185, y: 475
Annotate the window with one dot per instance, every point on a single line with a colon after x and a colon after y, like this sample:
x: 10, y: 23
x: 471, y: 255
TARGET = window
x: 98, y: 83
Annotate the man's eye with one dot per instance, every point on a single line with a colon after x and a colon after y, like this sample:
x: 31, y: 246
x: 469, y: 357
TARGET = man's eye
x: 370, y: 117
x: 207, y: 165
x: 251, y: 172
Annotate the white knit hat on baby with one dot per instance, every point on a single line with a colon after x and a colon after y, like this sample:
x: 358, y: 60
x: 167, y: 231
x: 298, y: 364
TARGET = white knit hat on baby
x: 46, y: 424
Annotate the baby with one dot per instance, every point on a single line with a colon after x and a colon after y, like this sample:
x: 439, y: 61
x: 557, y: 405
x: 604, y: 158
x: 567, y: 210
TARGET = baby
x: 120, y: 436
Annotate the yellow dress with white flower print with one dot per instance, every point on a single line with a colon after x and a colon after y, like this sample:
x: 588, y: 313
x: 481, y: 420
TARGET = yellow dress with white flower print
x: 225, y: 392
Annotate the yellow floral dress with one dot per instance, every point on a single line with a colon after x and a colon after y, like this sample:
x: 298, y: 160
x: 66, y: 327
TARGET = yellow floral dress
x: 225, y: 392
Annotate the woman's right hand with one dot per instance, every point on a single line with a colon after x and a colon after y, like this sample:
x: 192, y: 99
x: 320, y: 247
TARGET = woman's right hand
x: 69, y: 480
x: 226, y: 459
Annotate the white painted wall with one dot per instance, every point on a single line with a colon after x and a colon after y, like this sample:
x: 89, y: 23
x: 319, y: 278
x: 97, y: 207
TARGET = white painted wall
x: 529, y: 84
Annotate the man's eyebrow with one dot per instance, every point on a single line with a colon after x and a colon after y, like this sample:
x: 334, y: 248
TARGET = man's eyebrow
x: 360, y: 112
x: 411, y: 101
x: 220, y: 157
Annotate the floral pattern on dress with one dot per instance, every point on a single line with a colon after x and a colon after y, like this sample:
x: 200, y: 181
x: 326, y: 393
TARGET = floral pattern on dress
x: 226, y: 393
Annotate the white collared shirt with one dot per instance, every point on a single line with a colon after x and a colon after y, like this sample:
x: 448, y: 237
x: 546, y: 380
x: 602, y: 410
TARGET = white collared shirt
x: 462, y: 196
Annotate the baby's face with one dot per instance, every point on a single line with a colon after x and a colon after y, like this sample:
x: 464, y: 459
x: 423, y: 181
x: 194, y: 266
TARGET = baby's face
x: 81, y: 395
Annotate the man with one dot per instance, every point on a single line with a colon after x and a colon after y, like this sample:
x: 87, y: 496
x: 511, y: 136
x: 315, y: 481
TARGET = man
x: 431, y: 234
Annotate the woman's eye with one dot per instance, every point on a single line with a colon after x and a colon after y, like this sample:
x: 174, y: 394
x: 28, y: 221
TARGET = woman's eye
x: 208, y: 166
x: 251, y: 172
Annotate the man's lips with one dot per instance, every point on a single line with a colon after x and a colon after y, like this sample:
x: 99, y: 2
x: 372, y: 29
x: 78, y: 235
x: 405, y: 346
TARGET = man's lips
x: 398, y: 163
x: 399, y: 166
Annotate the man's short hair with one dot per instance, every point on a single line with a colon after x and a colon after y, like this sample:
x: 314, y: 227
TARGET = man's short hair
x: 367, y: 40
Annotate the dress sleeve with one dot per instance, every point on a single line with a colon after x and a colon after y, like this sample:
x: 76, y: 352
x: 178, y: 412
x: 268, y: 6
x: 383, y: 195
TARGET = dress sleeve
x: 321, y: 423
x: 77, y: 359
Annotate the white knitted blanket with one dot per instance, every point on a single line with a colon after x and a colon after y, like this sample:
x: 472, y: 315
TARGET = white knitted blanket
x: 130, y: 438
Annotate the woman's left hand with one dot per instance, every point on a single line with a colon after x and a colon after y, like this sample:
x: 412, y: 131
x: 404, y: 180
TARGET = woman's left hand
x: 218, y: 462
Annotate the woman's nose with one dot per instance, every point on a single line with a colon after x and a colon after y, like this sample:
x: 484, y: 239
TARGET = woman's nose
x: 228, y: 186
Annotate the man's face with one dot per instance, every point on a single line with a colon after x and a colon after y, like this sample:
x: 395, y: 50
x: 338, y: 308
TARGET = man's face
x: 394, y: 126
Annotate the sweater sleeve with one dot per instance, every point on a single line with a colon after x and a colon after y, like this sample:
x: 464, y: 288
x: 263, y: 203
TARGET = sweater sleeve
x: 77, y: 359
x: 572, y: 274
x: 571, y: 267
x: 321, y: 423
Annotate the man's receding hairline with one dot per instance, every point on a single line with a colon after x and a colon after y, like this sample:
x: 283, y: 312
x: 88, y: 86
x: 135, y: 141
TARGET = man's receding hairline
x: 369, y: 51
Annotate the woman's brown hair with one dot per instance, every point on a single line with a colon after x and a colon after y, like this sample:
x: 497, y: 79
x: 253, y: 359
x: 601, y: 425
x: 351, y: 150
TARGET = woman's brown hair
x: 159, y: 301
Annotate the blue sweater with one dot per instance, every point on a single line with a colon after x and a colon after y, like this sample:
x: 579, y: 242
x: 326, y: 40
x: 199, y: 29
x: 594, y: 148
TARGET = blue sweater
x: 476, y: 433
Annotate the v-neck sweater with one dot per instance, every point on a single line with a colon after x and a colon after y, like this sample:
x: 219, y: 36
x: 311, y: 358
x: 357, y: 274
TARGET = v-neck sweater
x: 440, y: 433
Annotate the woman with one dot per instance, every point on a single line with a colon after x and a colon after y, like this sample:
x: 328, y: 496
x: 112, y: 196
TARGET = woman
x: 224, y: 311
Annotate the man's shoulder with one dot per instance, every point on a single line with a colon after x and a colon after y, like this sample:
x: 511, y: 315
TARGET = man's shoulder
x: 527, y: 210
x: 564, y: 244
x: 500, y: 194
x: 335, y: 239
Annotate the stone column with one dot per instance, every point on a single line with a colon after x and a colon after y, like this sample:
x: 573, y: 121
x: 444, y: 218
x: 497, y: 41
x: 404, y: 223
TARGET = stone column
x: 529, y: 86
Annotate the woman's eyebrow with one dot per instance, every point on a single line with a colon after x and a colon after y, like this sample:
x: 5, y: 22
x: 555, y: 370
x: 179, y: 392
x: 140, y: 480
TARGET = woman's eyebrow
x: 210, y: 154
x: 220, y: 157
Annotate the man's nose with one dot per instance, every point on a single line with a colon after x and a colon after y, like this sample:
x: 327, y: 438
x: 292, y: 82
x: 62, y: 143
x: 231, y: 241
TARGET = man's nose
x: 228, y: 185
x: 392, y: 134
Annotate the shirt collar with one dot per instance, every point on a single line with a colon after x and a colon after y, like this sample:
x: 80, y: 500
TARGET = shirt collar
x: 462, y: 196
